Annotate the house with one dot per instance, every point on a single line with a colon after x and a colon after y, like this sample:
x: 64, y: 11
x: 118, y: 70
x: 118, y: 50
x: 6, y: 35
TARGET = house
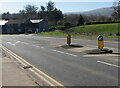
x: 3, y: 26
x: 40, y: 25
x: 19, y: 26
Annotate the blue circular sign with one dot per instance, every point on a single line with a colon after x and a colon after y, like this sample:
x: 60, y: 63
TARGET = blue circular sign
x: 100, y: 38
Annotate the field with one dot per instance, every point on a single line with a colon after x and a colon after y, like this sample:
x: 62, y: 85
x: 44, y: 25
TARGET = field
x: 98, y: 28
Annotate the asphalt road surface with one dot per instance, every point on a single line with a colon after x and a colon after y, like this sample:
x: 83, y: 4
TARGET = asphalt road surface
x: 66, y: 66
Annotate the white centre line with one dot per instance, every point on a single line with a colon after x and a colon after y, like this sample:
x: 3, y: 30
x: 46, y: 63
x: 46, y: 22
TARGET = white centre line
x: 108, y: 64
x: 38, y: 46
x: 35, y: 45
x: 65, y: 53
x: 41, y: 47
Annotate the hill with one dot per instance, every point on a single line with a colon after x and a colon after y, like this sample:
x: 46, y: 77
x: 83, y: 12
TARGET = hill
x: 100, y: 11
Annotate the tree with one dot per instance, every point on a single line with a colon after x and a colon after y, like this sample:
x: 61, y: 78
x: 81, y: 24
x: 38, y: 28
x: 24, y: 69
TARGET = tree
x: 102, y: 18
x: 6, y: 16
x: 67, y: 25
x: 81, y: 20
x: 116, y: 6
x: 53, y: 13
x: 109, y: 19
x: 42, y: 8
x: 50, y: 6
x: 30, y: 11
x: 22, y: 14
x: 114, y: 16
x: 42, y: 12
x: 57, y: 15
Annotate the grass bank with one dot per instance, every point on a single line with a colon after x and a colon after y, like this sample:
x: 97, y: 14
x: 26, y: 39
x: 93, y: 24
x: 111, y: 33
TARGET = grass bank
x: 97, y: 28
x: 57, y: 33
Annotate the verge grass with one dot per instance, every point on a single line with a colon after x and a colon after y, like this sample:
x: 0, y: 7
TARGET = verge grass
x: 97, y: 28
x: 64, y: 34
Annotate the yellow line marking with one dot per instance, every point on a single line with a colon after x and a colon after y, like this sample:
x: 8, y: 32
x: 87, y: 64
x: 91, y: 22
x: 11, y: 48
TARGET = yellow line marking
x: 14, y: 55
x: 42, y: 77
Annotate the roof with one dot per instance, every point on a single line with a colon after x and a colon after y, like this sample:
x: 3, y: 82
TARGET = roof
x: 36, y: 21
x: 20, y: 21
x: 17, y: 21
x: 3, y: 22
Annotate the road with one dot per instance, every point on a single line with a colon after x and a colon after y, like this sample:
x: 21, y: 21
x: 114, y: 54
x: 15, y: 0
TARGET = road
x: 64, y: 65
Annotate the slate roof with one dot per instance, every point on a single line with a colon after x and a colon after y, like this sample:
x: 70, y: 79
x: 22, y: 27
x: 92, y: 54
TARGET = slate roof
x: 20, y: 21
x: 16, y: 21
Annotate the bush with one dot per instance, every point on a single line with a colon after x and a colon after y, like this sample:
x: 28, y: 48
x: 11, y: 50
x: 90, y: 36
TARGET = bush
x: 60, y: 22
x: 67, y: 25
x: 118, y: 34
x: 110, y: 34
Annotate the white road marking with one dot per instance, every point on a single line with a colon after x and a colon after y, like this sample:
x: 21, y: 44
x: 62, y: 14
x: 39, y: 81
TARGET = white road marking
x: 11, y: 43
x: 108, y: 64
x: 65, y: 53
x: 41, y: 47
x: 37, y: 46
x: 17, y: 42
x: 14, y: 43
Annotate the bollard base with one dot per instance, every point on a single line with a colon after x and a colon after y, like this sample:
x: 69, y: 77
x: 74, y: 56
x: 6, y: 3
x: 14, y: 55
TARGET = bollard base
x: 106, y: 51
x: 98, y: 51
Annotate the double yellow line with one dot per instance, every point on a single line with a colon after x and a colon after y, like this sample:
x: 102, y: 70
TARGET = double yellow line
x: 50, y: 81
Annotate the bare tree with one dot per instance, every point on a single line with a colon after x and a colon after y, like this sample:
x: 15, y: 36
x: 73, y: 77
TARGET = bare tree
x: 116, y: 6
x: 30, y: 11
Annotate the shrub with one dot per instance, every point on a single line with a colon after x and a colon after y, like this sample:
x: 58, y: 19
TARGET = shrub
x: 67, y: 25
x: 118, y: 34
x: 110, y: 34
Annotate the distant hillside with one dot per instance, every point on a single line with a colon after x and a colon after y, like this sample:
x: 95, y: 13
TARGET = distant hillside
x: 101, y: 11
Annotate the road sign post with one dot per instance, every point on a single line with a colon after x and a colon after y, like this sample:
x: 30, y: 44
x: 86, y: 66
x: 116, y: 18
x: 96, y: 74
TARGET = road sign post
x: 68, y: 39
x: 100, y: 42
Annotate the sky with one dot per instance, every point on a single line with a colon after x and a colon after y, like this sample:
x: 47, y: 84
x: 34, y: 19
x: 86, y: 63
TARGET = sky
x: 64, y: 5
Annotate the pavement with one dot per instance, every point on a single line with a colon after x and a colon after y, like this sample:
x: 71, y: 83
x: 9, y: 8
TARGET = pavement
x: 13, y: 75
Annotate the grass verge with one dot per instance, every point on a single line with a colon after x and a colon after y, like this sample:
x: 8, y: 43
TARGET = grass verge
x: 57, y: 33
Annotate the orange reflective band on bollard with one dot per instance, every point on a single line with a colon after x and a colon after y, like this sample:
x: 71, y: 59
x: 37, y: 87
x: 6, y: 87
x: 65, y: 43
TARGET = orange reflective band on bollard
x: 100, y: 44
